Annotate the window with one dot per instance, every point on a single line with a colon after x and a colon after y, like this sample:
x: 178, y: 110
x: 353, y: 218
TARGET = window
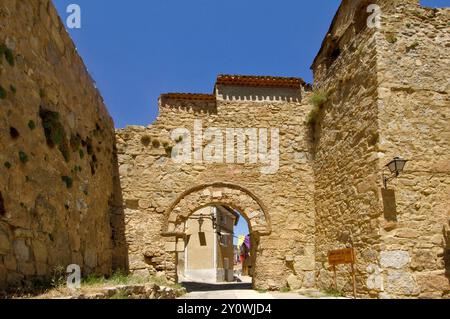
x: 223, y: 220
x: 224, y: 240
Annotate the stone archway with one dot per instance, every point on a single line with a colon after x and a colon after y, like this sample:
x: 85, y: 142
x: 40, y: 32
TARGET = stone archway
x: 252, y: 208
x: 249, y: 206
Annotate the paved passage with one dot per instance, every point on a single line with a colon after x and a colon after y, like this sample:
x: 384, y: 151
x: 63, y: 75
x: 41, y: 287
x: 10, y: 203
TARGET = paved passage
x: 235, y: 290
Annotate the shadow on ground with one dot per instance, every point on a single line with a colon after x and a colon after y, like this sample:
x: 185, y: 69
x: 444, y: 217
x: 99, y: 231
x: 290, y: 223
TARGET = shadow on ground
x: 197, y: 286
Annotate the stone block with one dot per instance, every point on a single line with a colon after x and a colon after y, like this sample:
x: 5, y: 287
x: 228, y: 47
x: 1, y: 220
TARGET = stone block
x: 21, y: 250
x: 5, y: 245
x: 394, y: 259
x: 401, y: 283
x: 294, y: 282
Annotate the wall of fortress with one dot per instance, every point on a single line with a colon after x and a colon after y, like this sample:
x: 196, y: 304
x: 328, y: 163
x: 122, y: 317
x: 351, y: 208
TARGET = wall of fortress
x: 56, y: 152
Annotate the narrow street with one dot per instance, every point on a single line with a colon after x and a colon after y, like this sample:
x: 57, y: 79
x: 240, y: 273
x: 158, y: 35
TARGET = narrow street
x: 239, y: 290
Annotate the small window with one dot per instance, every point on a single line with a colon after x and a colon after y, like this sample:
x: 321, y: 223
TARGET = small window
x: 224, y: 240
x: 223, y: 220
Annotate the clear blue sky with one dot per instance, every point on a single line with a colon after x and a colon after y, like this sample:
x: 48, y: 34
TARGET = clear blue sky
x: 137, y: 49
x: 240, y: 229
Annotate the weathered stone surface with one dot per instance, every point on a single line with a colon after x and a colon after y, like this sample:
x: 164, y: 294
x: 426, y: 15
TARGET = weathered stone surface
x: 57, y: 170
x: 21, y: 250
x: 375, y: 279
x: 394, y: 259
x: 294, y: 282
x: 401, y: 283
x: 387, y: 96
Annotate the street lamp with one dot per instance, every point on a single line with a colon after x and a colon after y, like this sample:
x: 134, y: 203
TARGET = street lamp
x: 396, y: 167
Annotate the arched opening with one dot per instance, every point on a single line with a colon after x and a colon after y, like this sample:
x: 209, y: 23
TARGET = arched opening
x: 217, y: 248
x: 202, y: 234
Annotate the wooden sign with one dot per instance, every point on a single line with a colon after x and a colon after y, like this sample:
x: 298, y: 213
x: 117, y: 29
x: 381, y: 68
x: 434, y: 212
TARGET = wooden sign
x: 341, y: 257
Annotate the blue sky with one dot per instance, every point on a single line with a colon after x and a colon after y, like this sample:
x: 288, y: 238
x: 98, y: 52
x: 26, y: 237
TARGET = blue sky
x: 138, y: 49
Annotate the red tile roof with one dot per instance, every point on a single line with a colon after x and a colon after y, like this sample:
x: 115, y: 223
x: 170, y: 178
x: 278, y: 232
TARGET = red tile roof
x: 190, y: 96
x: 259, y: 81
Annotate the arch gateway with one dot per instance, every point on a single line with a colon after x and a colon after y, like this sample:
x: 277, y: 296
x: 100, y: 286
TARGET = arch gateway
x: 378, y: 94
x: 160, y: 193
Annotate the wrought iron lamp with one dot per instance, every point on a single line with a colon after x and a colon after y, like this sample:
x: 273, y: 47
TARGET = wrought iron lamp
x: 396, y: 167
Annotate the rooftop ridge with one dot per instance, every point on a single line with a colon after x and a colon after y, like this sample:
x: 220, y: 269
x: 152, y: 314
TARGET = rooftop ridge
x: 190, y: 96
x: 259, y: 81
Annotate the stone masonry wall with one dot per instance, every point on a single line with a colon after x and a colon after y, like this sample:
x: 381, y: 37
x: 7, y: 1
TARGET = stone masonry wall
x: 345, y: 155
x: 56, y: 151
x: 153, y: 184
x: 414, y: 114
x: 388, y: 96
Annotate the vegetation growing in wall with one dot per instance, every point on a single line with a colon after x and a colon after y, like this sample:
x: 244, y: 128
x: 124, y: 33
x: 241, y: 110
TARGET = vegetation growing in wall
x: 318, y: 100
x: 7, y: 53
x: 54, y: 132
x: 31, y: 125
x: 2, y: 93
x: 23, y: 157
x: 391, y: 38
x: 413, y: 46
x: 68, y: 181
x: 9, y: 57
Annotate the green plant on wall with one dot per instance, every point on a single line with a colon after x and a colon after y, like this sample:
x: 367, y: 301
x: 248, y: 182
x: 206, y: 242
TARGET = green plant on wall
x: 391, y: 38
x: 54, y: 132
x: 68, y: 181
x: 313, y: 116
x: 318, y: 100
x: 2, y: 93
x: 9, y: 55
x: 31, y: 125
x: 23, y: 157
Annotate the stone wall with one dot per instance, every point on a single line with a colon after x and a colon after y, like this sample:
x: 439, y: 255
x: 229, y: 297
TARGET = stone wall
x: 345, y: 154
x: 414, y: 114
x: 387, y: 96
x: 56, y: 151
x: 279, y: 207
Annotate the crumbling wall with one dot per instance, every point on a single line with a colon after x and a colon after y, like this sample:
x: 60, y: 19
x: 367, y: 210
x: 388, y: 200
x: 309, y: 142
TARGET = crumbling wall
x: 56, y: 152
